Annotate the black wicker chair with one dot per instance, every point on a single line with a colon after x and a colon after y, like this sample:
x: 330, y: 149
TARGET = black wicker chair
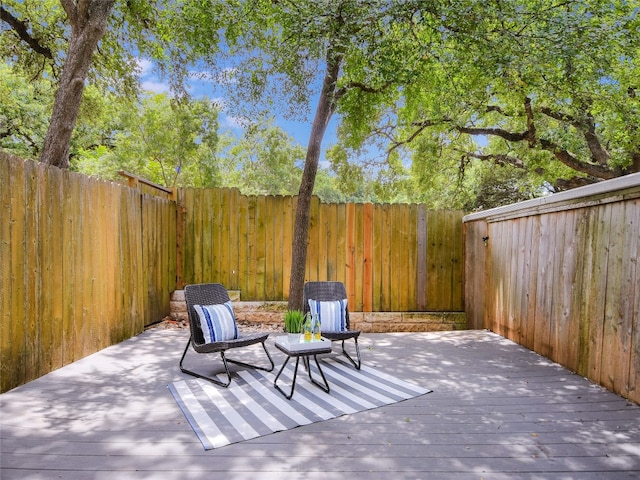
x: 216, y: 294
x: 330, y: 291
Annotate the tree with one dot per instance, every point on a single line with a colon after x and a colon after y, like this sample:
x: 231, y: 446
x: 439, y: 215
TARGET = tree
x: 551, y: 86
x: 88, y: 22
x: 24, y: 108
x: 266, y: 161
x: 57, y: 41
x: 550, y: 89
x: 170, y: 142
x: 490, y: 186
x: 88, y: 19
x: 278, y: 51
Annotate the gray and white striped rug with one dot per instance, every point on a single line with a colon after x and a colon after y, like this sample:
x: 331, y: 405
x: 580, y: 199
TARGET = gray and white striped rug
x: 251, y: 407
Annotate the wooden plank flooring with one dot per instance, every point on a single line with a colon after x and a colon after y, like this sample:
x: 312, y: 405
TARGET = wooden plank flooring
x: 497, y: 411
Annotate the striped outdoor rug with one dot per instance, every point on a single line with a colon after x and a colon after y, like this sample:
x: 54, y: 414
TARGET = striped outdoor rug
x: 251, y: 407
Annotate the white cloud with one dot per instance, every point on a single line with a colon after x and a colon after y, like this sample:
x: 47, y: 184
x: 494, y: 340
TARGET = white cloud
x: 145, y: 66
x: 150, y: 82
x: 154, y: 86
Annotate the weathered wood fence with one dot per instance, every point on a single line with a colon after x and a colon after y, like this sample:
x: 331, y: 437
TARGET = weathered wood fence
x: 88, y: 263
x: 560, y: 276
x: 398, y: 258
x: 85, y: 264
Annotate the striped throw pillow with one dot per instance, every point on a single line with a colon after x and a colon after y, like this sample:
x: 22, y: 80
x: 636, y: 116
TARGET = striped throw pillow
x: 218, y: 322
x: 333, y: 314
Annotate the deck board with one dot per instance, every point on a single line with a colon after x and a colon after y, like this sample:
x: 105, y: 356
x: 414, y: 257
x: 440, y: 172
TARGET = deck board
x: 497, y: 411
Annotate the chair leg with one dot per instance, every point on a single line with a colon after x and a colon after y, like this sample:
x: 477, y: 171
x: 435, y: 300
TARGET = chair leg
x: 226, y: 366
x: 357, y: 364
x: 204, y: 377
x: 256, y: 367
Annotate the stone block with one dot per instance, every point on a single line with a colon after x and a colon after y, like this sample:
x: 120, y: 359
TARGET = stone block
x: 177, y: 296
x: 271, y: 314
x: 387, y: 322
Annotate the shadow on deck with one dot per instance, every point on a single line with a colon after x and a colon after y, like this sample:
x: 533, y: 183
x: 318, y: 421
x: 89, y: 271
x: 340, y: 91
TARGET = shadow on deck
x: 497, y: 411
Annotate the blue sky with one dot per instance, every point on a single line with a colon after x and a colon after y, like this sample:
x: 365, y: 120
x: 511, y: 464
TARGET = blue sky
x: 298, y: 130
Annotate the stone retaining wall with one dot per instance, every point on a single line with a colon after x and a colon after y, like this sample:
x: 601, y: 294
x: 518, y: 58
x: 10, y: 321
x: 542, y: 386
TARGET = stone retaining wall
x: 272, y: 313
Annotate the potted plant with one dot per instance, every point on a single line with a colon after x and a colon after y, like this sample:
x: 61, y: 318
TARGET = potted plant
x: 293, y: 320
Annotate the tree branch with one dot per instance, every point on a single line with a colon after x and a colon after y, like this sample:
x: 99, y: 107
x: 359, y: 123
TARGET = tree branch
x: 360, y: 86
x: 498, y: 132
x: 595, y: 170
x: 635, y: 165
x: 529, y: 135
x: 562, y: 184
x: 71, y: 11
x: 422, y: 126
x: 531, y: 127
x: 17, y: 132
x: 499, y: 159
x: 496, y: 108
x: 22, y: 30
x: 587, y: 126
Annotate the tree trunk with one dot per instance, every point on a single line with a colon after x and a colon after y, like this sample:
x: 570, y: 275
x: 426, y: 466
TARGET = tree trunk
x: 88, y: 20
x: 324, y: 111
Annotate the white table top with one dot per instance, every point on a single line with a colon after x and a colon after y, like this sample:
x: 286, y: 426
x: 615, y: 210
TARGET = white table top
x: 299, y: 346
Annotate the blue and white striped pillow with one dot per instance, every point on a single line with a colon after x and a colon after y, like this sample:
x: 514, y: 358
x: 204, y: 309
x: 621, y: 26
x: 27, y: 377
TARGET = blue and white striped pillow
x: 218, y: 322
x: 333, y: 314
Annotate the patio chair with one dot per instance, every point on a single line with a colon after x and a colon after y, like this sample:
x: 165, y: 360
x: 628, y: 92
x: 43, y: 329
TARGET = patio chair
x: 329, y: 300
x: 214, y: 329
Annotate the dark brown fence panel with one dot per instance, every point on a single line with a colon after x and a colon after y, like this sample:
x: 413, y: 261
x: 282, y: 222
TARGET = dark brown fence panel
x: 560, y: 276
x: 391, y: 257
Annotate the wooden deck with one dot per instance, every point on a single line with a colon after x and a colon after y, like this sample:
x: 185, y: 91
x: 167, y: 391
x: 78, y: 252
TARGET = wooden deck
x: 497, y: 411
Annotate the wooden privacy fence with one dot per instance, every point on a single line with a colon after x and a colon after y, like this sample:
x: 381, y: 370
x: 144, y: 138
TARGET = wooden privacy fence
x: 560, y: 276
x: 88, y: 263
x: 391, y: 257
x: 85, y: 264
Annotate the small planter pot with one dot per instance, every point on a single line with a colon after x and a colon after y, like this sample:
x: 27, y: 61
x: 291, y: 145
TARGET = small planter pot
x: 293, y: 337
